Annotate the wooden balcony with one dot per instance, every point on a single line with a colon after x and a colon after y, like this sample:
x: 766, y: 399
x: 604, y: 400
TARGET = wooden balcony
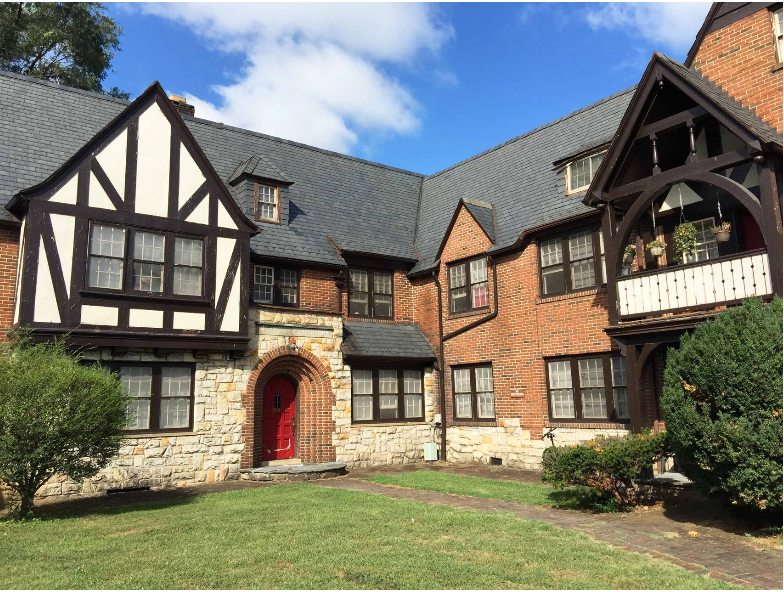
x: 694, y: 286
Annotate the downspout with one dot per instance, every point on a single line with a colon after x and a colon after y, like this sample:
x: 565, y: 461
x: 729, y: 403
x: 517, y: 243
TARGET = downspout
x: 442, y: 338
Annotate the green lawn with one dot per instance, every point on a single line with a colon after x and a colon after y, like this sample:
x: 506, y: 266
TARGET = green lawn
x: 303, y: 536
x: 513, y: 491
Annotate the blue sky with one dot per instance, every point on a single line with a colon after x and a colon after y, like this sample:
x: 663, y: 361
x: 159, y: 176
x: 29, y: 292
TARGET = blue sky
x: 419, y: 87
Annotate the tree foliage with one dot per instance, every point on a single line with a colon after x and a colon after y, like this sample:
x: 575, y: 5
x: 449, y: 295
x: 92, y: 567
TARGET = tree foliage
x: 722, y: 404
x: 57, y: 416
x: 608, y: 464
x: 68, y: 43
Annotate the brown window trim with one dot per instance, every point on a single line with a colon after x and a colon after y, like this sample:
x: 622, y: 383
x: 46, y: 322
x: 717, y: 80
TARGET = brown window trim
x: 371, y: 292
x: 401, y: 401
x: 155, y: 399
x: 256, y: 216
x: 276, y: 296
x: 566, y: 262
x: 577, y: 398
x: 474, y: 396
x: 127, y: 264
x: 469, y: 308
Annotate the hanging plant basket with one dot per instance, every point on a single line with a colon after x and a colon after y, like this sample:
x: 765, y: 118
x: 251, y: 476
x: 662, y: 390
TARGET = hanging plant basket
x: 684, y: 238
x: 656, y: 248
x: 629, y: 253
x: 722, y: 232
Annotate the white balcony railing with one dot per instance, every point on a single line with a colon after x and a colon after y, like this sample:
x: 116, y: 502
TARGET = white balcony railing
x: 696, y: 285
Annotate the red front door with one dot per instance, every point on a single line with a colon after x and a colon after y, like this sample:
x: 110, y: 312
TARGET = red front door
x: 278, y: 419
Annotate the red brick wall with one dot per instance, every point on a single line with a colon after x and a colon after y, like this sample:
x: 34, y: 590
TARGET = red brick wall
x: 741, y: 58
x: 317, y: 290
x: 526, y: 330
x: 9, y: 253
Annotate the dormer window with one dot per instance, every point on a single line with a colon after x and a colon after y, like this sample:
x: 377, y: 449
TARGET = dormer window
x: 579, y: 173
x: 267, y: 199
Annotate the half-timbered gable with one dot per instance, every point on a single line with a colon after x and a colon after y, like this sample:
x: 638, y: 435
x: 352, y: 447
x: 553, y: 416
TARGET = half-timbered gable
x: 135, y: 238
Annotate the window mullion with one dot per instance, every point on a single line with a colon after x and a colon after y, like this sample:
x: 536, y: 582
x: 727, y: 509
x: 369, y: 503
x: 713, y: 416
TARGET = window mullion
x: 566, y: 263
x: 597, y: 258
x: 155, y: 398
x: 168, y: 264
x: 371, y: 284
x: 474, y: 398
x: 130, y: 237
x: 376, y: 397
x: 578, y: 403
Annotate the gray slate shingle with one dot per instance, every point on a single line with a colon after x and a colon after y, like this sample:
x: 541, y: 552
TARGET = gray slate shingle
x: 385, y: 340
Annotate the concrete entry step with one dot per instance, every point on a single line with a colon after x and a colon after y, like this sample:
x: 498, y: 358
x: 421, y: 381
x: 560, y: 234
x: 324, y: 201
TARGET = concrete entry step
x: 294, y: 472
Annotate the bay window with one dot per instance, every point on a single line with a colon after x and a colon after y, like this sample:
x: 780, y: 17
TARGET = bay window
x: 588, y: 388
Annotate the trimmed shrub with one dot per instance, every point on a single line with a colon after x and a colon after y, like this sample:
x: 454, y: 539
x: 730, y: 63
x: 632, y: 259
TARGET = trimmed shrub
x: 722, y: 405
x: 607, y: 464
x: 57, y: 416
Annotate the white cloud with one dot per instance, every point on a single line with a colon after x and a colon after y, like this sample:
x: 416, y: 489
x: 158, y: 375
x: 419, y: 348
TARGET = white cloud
x: 313, y: 73
x: 445, y: 78
x: 672, y: 26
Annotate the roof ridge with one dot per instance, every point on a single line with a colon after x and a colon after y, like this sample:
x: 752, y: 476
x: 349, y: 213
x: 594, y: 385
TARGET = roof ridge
x: 64, y: 87
x: 535, y: 130
x: 218, y: 124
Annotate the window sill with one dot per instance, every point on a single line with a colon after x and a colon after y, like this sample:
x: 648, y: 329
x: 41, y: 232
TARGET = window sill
x: 139, y: 435
x: 469, y: 313
x: 591, y: 425
x: 278, y: 306
x: 378, y: 424
x: 483, y: 423
x: 571, y: 295
x: 776, y: 68
x: 145, y: 298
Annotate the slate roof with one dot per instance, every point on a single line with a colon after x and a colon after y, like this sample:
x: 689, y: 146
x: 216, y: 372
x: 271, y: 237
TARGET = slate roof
x: 385, y: 340
x: 258, y: 166
x: 483, y: 214
x: 723, y: 100
x: 517, y: 178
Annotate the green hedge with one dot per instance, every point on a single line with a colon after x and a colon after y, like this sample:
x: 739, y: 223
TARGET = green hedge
x: 722, y: 404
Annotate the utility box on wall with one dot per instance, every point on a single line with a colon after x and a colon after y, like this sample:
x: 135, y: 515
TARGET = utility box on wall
x: 431, y: 452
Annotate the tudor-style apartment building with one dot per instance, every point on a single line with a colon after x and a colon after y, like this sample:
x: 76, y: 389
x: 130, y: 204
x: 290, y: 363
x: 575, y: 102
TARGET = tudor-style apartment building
x: 265, y: 301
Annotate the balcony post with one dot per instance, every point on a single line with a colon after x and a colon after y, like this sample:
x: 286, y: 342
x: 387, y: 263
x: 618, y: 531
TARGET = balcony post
x: 771, y: 225
x: 633, y: 388
x: 611, y: 261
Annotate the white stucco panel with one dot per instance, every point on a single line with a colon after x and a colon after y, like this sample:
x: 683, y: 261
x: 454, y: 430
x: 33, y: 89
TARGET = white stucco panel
x: 63, y: 227
x: 223, y: 255
x: 98, y: 197
x: 67, y: 193
x: 224, y: 218
x: 140, y: 317
x: 152, y: 164
x: 191, y: 321
x: 112, y: 160
x: 231, y: 318
x: 201, y: 213
x: 99, y: 315
x: 46, y: 310
x: 191, y: 177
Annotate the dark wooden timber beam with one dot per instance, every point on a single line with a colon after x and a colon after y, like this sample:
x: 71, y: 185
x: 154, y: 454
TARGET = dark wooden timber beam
x: 672, y: 122
x: 675, y: 175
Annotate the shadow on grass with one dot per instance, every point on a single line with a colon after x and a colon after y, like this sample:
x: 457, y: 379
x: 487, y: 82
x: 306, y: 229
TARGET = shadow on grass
x: 582, y: 498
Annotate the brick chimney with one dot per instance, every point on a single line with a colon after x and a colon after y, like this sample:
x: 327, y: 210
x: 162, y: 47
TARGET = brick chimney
x: 182, y: 105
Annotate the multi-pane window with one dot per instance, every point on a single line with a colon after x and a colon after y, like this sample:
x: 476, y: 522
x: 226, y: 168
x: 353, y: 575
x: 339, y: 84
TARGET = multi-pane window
x: 568, y: 262
x: 370, y: 293
x: 580, y: 172
x: 590, y: 388
x: 275, y: 285
x: 707, y: 247
x: 387, y: 395
x: 161, y: 396
x: 266, y: 203
x: 468, y: 285
x: 107, y: 253
x: 473, y: 396
x: 148, y: 261
x: 778, y: 31
x: 188, y: 263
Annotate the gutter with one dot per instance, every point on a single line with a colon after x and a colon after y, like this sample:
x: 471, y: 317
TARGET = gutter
x: 442, y: 338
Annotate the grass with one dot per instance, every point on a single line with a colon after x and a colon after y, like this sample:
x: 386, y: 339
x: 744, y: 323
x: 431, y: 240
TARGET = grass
x: 513, y: 491
x: 303, y: 536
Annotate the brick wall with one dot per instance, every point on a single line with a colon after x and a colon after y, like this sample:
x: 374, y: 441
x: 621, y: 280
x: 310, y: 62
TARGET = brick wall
x: 741, y: 58
x: 9, y: 252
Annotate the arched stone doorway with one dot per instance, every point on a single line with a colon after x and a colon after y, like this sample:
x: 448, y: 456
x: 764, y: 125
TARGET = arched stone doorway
x: 314, y: 403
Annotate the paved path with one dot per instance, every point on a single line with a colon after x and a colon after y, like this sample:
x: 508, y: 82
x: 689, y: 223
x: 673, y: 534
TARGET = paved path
x: 707, y: 550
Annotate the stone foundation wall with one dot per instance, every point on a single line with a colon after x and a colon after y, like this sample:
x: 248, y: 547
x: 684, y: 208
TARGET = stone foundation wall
x: 514, y: 445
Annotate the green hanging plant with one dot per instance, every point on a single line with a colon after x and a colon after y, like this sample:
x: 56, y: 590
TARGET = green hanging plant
x: 684, y: 239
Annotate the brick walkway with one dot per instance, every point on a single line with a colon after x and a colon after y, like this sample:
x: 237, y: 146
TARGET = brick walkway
x: 712, y: 551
